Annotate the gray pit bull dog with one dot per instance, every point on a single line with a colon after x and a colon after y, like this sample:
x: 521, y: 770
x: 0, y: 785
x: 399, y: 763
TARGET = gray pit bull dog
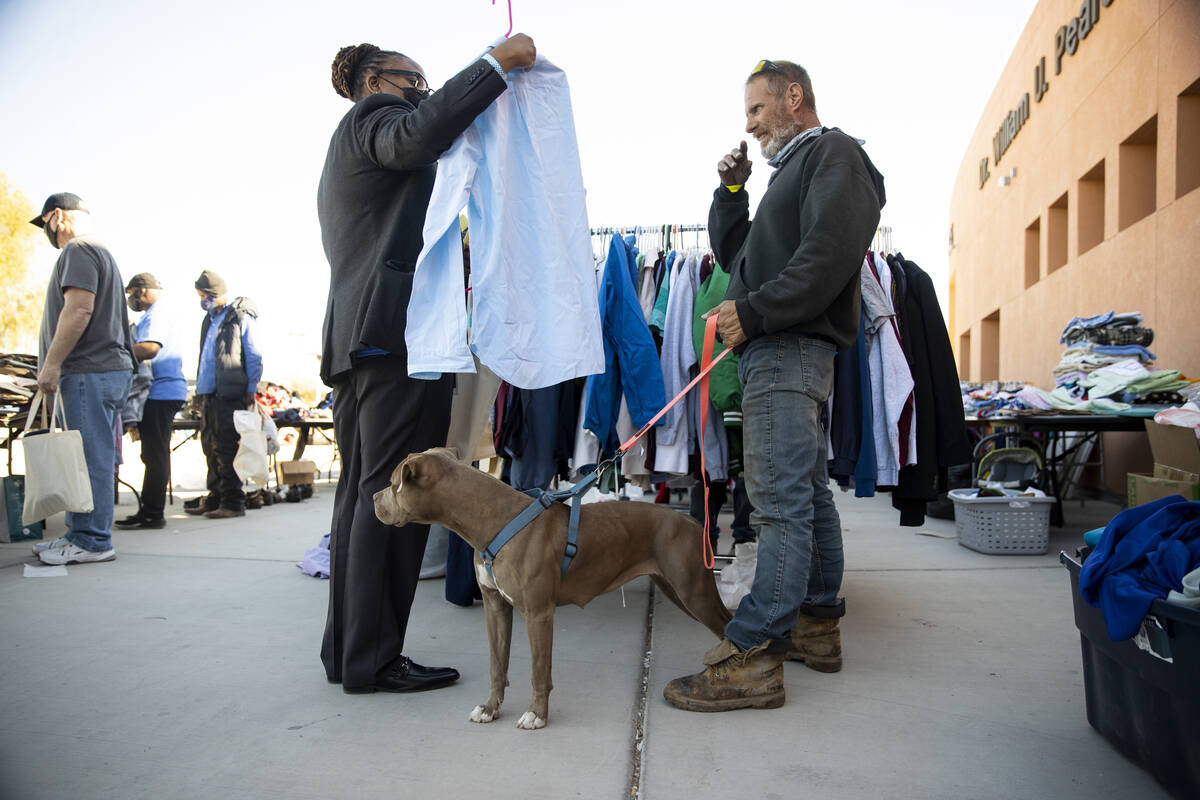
x: 617, y: 543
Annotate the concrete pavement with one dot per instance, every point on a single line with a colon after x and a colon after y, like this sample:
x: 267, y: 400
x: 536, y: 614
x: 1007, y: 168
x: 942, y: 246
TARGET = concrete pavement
x: 188, y: 668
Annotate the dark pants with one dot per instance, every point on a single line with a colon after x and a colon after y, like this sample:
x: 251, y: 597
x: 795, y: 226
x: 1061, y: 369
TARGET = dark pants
x: 380, y: 416
x: 154, y: 432
x: 718, y: 494
x: 219, y: 441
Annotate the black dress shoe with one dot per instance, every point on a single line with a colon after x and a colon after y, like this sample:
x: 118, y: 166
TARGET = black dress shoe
x: 135, y: 523
x: 405, y: 675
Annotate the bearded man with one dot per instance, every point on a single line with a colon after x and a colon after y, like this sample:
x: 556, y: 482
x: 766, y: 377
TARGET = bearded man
x: 793, y: 301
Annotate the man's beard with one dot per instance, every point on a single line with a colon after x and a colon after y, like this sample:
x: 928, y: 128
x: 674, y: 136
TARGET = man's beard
x: 780, y: 136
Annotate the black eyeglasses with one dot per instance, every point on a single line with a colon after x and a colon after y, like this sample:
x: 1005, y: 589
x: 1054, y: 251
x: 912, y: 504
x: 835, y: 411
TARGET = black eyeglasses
x: 417, y: 78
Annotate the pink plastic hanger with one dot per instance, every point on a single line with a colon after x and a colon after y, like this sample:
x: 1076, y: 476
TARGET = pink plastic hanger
x: 509, y: 18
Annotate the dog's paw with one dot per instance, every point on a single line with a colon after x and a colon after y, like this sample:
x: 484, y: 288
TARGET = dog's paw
x: 530, y: 721
x: 481, y: 714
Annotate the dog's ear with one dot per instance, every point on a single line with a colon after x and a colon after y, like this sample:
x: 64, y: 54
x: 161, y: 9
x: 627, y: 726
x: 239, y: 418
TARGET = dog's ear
x: 410, y: 471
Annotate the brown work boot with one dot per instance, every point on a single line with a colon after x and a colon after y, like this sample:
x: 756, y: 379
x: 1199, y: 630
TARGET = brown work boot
x: 225, y: 513
x: 732, y: 678
x: 817, y: 642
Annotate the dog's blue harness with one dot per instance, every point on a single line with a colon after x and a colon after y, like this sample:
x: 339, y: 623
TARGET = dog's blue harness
x: 541, y: 501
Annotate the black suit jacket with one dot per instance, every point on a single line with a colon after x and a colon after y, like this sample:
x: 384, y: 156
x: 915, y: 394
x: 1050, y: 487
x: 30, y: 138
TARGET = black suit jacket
x: 371, y: 204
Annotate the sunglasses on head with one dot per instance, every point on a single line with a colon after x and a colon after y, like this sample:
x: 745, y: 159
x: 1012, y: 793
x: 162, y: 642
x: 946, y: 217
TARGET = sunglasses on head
x: 766, y: 65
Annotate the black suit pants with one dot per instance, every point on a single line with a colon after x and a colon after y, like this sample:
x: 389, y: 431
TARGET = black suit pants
x: 380, y: 416
x: 154, y: 432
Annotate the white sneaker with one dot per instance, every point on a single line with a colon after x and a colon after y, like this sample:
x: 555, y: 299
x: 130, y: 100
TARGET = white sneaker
x: 71, y: 554
x: 41, y: 547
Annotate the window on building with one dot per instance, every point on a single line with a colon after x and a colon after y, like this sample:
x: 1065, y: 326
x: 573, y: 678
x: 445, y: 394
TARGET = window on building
x: 964, y: 356
x: 1136, y: 165
x: 1187, y: 141
x: 989, y: 347
x: 1090, y: 197
x: 1033, y: 253
x: 1056, y: 234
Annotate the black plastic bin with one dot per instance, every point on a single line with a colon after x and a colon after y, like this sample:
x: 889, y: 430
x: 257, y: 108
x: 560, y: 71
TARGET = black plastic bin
x: 1143, y: 694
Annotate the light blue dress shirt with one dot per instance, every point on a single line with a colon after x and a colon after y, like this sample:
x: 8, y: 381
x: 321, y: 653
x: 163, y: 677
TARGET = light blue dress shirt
x: 536, y: 318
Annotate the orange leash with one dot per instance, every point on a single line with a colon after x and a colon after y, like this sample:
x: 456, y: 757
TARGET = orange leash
x: 707, y: 362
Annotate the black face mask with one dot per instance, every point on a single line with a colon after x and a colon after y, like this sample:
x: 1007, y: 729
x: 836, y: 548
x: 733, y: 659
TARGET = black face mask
x: 413, y: 95
x: 51, y: 235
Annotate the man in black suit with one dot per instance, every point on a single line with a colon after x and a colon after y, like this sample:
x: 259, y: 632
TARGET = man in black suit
x: 371, y: 202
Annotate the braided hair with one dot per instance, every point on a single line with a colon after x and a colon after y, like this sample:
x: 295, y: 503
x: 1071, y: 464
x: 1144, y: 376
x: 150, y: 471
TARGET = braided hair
x: 351, y: 65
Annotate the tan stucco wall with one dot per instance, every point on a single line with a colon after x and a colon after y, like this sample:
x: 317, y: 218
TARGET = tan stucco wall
x: 1133, y: 65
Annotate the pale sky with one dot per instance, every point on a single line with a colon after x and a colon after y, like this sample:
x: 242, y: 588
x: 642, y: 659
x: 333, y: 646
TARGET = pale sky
x: 196, y: 132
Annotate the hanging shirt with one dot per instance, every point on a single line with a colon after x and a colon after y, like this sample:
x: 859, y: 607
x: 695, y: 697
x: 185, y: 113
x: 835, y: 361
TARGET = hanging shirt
x: 536, y: 319
x: 676, y: 437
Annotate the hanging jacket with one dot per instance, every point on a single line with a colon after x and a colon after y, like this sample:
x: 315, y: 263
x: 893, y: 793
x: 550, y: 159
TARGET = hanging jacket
x: 516, y: 169
x: 724, y: 386
x: 630, y: 358
x: 658, y: 314
x: 941, y: 429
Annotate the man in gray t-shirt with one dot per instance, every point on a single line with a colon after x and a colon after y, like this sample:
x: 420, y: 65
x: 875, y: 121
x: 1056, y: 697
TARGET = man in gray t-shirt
x: 86, y: 353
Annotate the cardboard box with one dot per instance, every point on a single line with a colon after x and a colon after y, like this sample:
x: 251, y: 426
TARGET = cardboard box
x: 296, y: 472
x: 12, y: 503
x: 1176, y: 465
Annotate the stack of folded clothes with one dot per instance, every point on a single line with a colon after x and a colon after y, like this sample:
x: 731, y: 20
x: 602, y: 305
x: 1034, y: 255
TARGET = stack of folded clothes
x: 1107, y: 366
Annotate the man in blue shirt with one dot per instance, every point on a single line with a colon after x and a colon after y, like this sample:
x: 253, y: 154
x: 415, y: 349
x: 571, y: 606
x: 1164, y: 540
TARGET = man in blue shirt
x: 155, y: 342
x: 226, y: 381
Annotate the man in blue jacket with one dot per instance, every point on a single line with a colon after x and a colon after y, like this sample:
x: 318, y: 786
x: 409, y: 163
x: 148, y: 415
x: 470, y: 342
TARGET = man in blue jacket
x: 793, y: 300
x: 226, y: 381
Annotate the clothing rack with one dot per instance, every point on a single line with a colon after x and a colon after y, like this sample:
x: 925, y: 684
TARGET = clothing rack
x: 882, y: 242
x: 656, y: 237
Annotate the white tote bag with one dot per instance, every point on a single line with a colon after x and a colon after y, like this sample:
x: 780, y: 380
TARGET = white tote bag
x: 250, y: 463
x: 56, y: 473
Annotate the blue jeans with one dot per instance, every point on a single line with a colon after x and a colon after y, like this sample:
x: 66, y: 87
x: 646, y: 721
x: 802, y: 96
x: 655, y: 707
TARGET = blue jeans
x: 92, y: 402
x: 786, y: 383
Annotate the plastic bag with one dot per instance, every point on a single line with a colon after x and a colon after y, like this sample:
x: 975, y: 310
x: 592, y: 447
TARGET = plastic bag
x: 56, y: 473
x: 268, y: 427
x: 735, y: 579
x: 250, y: 463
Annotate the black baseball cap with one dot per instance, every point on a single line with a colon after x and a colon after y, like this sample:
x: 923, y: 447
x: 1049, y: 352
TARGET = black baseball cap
x: 143, y: 280
x: 64, y: 200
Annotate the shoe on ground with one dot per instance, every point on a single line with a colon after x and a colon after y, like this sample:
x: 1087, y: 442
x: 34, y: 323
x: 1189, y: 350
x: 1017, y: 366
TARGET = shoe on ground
x: 225, y: 513
x: 73, y: 554
x: 817, y: 642
x: 254, y: 500
x: 195, y: 502
x: 140, y: 523
x: 199, y: 510
x: 732, y: 678
x: 49, y: 544
x: 406, y: 675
